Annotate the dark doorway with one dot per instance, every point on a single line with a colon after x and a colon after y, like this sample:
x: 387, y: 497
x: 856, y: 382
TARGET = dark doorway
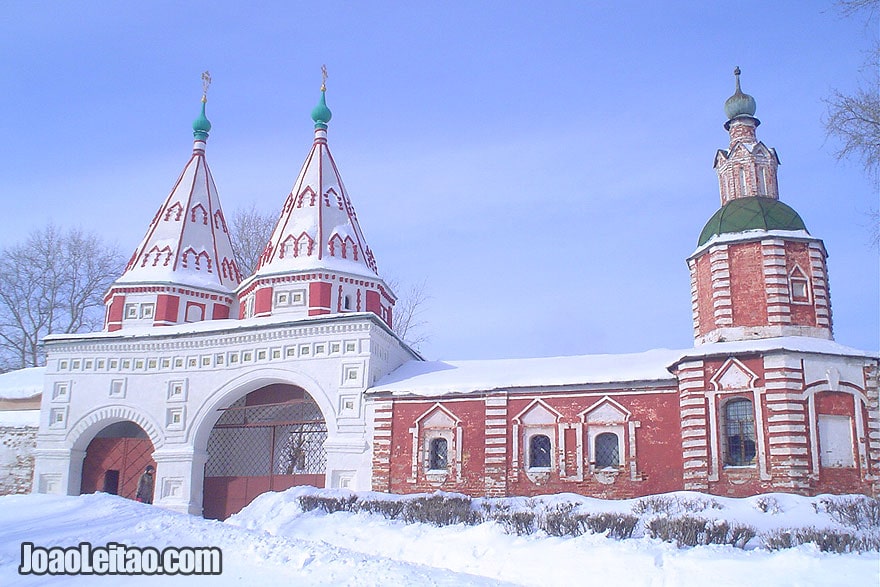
x: 111, y: 482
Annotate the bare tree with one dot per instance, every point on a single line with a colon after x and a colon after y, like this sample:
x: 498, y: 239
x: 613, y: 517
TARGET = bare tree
x: 51, y: 283
x: 854, y: 118
x: 408, y: 322
x: 251, y: 230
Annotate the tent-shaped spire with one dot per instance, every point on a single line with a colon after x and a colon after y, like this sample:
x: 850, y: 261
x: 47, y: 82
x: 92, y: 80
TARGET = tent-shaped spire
x: 186, y: 248
x: 318, y: 227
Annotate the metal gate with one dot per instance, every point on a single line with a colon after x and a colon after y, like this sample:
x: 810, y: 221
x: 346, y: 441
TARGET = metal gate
x: 269, y: 440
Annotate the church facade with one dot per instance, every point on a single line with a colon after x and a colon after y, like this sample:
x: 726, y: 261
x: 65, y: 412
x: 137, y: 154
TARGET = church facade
x: 232, y: 385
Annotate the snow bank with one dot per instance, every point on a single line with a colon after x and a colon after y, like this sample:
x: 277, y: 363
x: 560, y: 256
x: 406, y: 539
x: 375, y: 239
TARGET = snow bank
x: 272, y: 542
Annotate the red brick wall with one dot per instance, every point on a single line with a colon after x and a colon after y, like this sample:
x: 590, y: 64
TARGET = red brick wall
x: 747, y: 288
x: 657, y: 439
x: 797, y: 253
x: 704, y: 294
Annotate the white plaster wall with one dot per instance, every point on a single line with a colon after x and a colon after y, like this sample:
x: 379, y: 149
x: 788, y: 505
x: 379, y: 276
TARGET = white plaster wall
x: 173, y: 387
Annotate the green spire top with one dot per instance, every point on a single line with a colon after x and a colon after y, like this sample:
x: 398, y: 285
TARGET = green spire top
x: 320, y: 113
x: 201, y: 125
x: 739, y: 104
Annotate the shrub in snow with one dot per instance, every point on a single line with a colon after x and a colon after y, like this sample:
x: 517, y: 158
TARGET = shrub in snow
x: 654, y: 504
x: 391, y: 509
x: 768, y: 504
x: 519, y: 523
x: 617, y: 526
x: 562, y: 521
x: 859, y: 512
x: 825, y: 540
x: 693, y: 531
x: 327, y: 503
x: 441, y: 510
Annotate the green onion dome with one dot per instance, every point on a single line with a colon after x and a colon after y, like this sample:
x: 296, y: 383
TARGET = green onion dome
x: 320, y: 113
x: 739, y: 104
x: 201, y: 125
x: 754, y: 213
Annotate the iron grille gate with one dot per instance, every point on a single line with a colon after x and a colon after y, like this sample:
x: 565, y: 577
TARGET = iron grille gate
x: 267, y: 440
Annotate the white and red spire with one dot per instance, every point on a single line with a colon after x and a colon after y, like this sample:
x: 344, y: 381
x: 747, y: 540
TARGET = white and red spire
x: 318, y: 227
x: 317, y: 260
x: 184, y: 269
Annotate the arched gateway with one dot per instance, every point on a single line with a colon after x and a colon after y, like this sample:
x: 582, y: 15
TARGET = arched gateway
x: 115, y: 459
x: 269, y: 440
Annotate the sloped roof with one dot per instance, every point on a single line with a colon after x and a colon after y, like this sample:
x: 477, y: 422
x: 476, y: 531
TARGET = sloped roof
x: 318, y: 227
x: 752, y: 213
x: 435, y: 378
x: 188, y: 241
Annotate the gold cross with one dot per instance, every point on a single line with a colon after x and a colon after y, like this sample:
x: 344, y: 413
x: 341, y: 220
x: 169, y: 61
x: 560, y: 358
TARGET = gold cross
x: 206, y: 82
x: 323, y: 78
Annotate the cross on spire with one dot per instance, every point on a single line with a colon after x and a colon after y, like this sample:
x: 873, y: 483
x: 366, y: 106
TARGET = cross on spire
x: 323, y: 78
x: 206, y: 83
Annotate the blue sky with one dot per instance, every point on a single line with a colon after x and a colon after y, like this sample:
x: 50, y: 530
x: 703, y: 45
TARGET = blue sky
x: 545, y: 168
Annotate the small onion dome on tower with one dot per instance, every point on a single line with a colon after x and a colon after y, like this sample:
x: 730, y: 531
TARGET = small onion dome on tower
x: 739, y: 104
x: 320, y: 113
x: 201, y: 125
x: 753, y: 213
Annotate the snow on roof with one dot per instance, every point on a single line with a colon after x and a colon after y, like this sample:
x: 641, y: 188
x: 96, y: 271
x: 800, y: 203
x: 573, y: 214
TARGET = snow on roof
x: 20, y: 418
x: 435, y: 378
x: 430, y: 378
x: 22, y: 384
x: 798, y: 344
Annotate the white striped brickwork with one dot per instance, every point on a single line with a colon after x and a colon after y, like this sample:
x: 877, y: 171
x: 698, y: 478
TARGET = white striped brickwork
x: 695, y: 300
x: 787, y: 423
x: 382, y: 416
x: 694, y: 436
x: 722, y: 304
x: 821, y: 288
x: 776, y: 282
x: 871, y: 390
x: 495, y: 463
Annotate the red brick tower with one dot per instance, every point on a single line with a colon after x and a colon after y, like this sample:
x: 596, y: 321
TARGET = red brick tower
x: 757, y: 273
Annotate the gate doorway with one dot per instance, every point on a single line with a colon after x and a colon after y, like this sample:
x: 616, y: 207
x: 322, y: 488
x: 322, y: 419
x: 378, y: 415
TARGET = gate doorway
x: 115, y: 459
x: 269, y: 440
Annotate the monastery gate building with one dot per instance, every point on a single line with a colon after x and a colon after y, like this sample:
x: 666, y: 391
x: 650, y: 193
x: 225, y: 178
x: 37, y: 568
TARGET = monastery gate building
x: 235, y: 385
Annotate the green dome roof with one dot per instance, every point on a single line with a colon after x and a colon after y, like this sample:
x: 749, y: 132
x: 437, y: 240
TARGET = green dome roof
x: 753, y: 213
x: 201, y: 125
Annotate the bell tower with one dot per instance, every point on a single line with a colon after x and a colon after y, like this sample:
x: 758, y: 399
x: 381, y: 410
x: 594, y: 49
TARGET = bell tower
x: 757, y: 272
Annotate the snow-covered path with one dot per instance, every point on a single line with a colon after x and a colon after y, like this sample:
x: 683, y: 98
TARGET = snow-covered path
x: 273, y: 542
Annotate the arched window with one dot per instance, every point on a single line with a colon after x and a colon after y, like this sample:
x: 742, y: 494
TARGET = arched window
x: 607, y: 450
x: 439, y: 454
x: 539, y: 451
x: 739, y: 432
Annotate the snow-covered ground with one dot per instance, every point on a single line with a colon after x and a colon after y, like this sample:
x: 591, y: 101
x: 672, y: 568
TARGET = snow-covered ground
x: 274, y: 542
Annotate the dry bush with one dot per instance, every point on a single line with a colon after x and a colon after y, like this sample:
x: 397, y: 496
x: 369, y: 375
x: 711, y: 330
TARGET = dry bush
x: 391, y: 509
x: 859, y: 512
x: 654, y: 504
x: 768, y: 505
x: 617, y: 526
x: 561, y: 521
x: 441, y: 510
x: 826, y: 540
x: 693, y: 531
x: 328, y: 504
